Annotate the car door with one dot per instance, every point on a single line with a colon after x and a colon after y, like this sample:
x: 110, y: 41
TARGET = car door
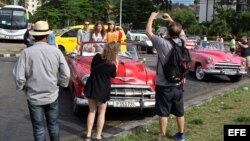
x: 68, y: 40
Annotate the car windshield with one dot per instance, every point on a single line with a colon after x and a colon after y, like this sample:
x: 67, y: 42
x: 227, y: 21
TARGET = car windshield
x: 126, y: 50
x: 193, y: 38
x: 211, y: 45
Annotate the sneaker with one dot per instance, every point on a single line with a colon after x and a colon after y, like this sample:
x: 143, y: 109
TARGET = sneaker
x: 179, y: 136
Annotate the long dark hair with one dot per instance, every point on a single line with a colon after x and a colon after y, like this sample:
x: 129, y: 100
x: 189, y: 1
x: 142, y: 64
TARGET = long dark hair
x: 103, y: 32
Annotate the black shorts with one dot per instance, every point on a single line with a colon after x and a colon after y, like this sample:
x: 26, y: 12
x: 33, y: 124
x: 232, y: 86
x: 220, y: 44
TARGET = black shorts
x: 169, y: 100
x: 232, y: 49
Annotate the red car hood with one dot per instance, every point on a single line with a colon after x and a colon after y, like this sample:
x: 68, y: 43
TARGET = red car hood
x: 129, y: 71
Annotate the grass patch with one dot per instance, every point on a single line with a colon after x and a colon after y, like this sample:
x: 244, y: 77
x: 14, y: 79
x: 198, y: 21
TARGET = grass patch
x: 243, y: 119
x: 196, y: 121
x: 203, y: 122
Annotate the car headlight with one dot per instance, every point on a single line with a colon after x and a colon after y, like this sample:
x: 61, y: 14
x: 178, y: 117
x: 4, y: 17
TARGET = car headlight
x: 84, y: 79
x: 209, y: 60
x: 243, y: 61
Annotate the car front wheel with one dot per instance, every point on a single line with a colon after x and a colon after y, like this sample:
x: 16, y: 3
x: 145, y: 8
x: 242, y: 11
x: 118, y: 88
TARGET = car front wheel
x: 76, y: 108
x: 62, y: 49
x: 152, y: 50
x: 200, y: 74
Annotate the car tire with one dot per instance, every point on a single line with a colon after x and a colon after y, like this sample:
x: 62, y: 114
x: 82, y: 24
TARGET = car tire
x: 148, y: 112
x: 76, y: 108
x: 153, y: 51
x: 235, y: 78
x: 200, y: 74
x: 62, y: 49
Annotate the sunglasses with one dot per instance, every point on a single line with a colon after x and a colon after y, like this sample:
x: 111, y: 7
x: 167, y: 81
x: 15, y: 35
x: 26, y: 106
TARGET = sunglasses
x: 86, y: 24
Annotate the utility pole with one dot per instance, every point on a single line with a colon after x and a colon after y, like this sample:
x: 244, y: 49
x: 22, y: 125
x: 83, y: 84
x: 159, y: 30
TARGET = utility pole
x: 213, y: 9
x: 120, y: 12
x: 206, y: 10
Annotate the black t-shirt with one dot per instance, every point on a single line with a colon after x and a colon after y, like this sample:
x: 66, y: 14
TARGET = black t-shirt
x: 98, y: 85
x: 245, y: 51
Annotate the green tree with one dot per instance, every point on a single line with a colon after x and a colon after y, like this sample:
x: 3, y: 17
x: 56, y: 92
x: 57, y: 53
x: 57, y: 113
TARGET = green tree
x: 22, y: 3
x: 244, y: 22
x: 101, y: 10
x: 60, y: 13
x: 231, y: 17
x: 219, y: 27
x: 135, y: 12
x: 184, y: 17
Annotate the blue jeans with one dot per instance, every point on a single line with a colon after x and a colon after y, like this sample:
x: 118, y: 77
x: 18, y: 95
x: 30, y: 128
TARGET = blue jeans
x: 37, y: 113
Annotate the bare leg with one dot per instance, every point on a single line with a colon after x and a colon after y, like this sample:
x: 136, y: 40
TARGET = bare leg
x: 101, y: 118
x: 91, y: 116
x: 180, y: 122
x: 163, y: 125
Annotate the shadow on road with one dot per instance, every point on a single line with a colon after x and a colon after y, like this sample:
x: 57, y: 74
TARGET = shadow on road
x: 11, y: 41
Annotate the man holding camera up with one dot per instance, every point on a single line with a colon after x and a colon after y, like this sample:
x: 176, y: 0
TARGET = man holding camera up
x: 169, y: 96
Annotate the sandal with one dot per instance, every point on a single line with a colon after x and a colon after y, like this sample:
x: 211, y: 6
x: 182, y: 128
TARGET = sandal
x: 88, y: 139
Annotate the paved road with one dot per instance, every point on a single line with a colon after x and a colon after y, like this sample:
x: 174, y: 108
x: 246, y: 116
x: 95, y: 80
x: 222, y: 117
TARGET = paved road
x: 11, y: 48
x: 15, y: 122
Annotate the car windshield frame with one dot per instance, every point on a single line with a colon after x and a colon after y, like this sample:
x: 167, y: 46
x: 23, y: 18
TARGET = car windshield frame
x: 129, y: 52
x: 210, y: 45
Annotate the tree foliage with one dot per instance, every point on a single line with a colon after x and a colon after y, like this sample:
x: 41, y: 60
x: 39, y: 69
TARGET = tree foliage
x: 135, y: 13
x: 184, y: 17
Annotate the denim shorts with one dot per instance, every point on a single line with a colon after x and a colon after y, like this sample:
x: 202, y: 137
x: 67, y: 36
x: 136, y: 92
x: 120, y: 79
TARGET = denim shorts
x: 169, y: 100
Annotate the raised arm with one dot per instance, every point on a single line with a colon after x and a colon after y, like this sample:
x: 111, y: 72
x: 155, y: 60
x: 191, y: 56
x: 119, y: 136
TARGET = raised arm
x: 243, y: 45
x: 149, y: 31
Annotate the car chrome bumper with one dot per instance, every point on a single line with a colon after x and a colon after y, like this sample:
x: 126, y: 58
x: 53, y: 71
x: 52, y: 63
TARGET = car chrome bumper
x: 225, y: 72
x: 122, y: 103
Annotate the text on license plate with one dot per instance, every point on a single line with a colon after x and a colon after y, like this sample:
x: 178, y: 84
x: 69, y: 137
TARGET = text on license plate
x: 230, y: 73
x: 124, y: 104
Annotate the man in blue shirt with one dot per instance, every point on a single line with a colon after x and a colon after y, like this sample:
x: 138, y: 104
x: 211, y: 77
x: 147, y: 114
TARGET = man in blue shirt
x: 52, y: 38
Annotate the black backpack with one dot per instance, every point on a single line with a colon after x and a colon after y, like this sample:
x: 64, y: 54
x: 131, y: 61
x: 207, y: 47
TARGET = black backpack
x: 178, y: 64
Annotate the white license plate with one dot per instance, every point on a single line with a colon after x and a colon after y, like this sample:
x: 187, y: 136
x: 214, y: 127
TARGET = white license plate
x: 124, y: 104
x: 230, y: 73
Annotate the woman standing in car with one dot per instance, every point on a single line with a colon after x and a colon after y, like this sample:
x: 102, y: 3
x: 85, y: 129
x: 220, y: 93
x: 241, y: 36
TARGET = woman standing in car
x: 99, y: 35
x: 112, y: 34
x: 98, y: 86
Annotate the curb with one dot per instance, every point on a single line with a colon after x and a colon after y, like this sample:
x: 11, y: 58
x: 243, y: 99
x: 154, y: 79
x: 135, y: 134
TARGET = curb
x: 9, y: 55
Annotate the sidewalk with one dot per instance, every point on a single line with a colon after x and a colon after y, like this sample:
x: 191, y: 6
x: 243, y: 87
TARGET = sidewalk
x: 11, y: 49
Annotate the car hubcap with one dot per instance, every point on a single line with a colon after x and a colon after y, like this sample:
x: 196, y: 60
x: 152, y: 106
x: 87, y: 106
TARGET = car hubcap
x: 199, y: 73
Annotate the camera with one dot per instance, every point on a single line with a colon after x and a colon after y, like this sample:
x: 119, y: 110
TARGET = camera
x: 161, y: 16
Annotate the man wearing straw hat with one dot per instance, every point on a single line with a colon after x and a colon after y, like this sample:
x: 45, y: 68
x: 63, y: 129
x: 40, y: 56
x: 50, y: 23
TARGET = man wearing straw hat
x: 39, y: 71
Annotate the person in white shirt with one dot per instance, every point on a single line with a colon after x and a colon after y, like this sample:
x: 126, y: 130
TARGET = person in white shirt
x: 39, y: 72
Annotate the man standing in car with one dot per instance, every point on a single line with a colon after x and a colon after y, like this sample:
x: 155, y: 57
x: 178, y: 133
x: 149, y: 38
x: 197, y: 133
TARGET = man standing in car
x: 84, y: 35
x: 169, y: 96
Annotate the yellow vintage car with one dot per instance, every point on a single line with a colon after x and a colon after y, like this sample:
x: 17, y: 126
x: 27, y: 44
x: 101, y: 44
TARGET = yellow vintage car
x: 67, y: 41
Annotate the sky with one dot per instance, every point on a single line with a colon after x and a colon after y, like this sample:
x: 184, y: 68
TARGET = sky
x: 186, y: 2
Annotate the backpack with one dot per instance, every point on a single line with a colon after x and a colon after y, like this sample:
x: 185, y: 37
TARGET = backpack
x: 178, y: 64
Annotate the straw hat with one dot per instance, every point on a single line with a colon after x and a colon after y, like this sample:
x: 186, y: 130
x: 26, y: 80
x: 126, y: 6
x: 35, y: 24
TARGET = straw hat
x: 111, y: 22
x: 41, y: 28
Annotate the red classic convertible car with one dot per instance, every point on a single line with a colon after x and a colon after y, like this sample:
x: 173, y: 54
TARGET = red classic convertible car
x: 133, y: 87
x: 210, y: 58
